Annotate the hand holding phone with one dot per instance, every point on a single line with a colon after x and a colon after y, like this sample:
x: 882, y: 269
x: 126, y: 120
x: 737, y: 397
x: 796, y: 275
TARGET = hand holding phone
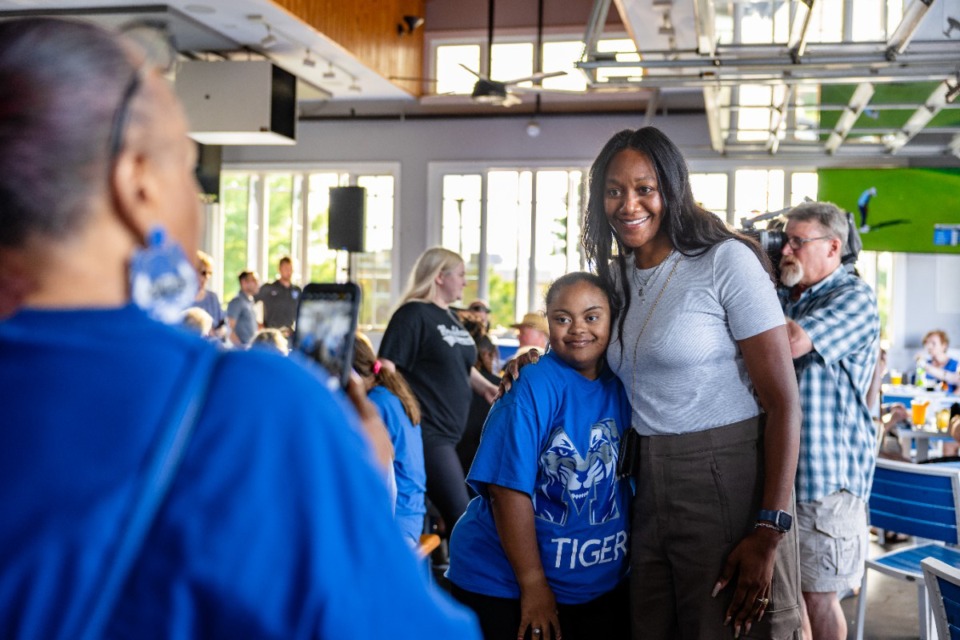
x: 326, y: 326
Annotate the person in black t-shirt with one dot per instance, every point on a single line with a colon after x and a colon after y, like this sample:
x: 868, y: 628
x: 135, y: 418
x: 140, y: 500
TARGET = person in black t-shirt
x: 427, y: 343
x: 280, y: 299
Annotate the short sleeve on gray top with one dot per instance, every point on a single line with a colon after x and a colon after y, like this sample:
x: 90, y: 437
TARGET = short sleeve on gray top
x: 685, y: 372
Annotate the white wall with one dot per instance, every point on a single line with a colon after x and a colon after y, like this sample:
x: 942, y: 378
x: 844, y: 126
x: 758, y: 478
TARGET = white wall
x: 926, y: 296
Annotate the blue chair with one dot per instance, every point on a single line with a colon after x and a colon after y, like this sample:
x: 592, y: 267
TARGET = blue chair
x: 921, y: 501
x: 943, y: 583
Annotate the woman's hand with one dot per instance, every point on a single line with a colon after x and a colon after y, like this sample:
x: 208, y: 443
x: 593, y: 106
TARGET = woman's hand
x: 752, y: 562
x: 538, y: 611
x: 511, y: 370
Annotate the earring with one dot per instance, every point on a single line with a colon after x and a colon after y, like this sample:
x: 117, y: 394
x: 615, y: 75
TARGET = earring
x: 162, y: 281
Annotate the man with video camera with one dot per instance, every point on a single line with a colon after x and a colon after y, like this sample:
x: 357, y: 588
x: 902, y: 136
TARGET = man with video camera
x: 834, y: 330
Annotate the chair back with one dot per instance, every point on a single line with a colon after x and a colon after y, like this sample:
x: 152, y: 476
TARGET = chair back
x: 943, y: 585
x: 918, y: 500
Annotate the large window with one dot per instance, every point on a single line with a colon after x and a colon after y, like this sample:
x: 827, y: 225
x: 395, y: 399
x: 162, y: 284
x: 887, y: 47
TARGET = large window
x: 518, y: 238
x: 758, y: 191
x: 268, y: 215
x: 235, y: 192
x: 710, y: 192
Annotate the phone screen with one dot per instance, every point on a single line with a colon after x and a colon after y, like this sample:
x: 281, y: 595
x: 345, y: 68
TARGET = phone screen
x: 326, y: 324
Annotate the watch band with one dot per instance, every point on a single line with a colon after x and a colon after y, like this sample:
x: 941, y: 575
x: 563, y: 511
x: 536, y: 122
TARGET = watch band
x: 780, y: 520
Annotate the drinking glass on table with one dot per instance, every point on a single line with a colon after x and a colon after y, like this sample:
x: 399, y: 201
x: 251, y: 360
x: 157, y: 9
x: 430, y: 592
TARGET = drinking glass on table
x: 918, y: 411
x: 896, y: 376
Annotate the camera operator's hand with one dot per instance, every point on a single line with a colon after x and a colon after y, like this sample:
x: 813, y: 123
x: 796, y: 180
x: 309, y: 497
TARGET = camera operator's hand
x: 511, y: 370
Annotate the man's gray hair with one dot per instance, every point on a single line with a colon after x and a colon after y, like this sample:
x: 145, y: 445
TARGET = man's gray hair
x: 827, y: 214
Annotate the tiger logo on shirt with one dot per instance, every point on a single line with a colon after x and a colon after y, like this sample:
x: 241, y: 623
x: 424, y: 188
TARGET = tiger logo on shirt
x: 568, y: 480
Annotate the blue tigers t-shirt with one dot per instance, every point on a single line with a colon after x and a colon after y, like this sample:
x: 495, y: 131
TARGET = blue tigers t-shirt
x: 555, y: 437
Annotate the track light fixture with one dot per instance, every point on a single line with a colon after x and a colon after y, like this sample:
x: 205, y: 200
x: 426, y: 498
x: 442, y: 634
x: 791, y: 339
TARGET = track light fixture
x: 409, y: 25
x: 269, y: 40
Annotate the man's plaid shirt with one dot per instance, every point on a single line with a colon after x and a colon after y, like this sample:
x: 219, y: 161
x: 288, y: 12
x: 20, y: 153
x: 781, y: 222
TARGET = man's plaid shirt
x: 837, y: 440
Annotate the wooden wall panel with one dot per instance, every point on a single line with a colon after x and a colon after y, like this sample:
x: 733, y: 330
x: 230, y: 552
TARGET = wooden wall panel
x: 368, y: 30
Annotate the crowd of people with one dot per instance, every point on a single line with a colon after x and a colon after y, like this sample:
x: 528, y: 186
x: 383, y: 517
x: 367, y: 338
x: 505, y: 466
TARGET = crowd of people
x: 596, y: 493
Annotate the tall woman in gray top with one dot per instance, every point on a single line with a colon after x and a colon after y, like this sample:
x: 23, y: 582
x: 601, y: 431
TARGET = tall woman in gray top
x: 702, y: 349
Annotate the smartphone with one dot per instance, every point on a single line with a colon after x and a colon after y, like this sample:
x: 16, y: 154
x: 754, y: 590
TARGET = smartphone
x: 326, y: 326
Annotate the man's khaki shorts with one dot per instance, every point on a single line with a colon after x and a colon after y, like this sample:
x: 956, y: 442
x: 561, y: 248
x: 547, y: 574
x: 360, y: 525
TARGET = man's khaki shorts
x: 833, y: 542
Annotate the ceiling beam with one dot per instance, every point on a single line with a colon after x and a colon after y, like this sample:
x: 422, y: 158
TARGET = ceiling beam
x: 598, y: 18
x: 858, y: 102
x: 908, y: 26
x: 778, y: 119
x: 711, y: 103
x: 920, y: 118
x: 799, y: 29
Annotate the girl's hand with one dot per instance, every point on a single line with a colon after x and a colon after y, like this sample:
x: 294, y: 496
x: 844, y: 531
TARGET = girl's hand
x: 538, y: 611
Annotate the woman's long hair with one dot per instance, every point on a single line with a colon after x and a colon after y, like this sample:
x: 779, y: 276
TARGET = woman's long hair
x: 692, y: 230
x: 422, y: 282
x: 365, y: 363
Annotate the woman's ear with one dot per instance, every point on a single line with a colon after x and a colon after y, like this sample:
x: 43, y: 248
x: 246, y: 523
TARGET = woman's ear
x: 136, y: 192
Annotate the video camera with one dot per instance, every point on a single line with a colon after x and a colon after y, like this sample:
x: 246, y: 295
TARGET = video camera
x: 772, y: 238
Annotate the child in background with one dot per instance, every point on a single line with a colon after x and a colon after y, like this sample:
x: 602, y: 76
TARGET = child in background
x: 543, y: 548
x: 400, y: 412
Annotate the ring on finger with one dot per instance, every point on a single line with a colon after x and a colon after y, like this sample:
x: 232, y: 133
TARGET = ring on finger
x: 763, y: 601
x: 536, y: 631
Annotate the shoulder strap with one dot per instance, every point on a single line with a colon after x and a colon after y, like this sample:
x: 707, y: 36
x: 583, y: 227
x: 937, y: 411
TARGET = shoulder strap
x: 89, y: 620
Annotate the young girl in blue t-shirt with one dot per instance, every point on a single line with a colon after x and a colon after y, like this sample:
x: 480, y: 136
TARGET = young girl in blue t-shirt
x: 401, y: 413
x: 543, y: 548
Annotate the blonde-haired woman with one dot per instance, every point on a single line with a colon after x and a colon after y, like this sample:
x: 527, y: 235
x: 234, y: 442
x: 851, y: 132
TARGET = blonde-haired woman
x: 206, y: 299
x: 426, y: 342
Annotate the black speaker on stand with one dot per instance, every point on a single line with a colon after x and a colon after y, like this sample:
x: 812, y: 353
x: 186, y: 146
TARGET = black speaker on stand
x: 348, y: 213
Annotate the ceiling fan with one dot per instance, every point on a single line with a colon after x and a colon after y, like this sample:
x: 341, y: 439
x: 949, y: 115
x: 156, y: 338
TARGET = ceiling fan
x: 504, y: 93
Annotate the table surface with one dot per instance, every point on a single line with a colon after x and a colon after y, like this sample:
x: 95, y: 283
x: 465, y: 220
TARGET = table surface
x: 906, y: 393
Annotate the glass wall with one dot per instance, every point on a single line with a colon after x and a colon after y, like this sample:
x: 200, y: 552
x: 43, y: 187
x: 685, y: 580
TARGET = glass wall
x: 517, y: 238
x: 271, y: 214
x: 235, y: 193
